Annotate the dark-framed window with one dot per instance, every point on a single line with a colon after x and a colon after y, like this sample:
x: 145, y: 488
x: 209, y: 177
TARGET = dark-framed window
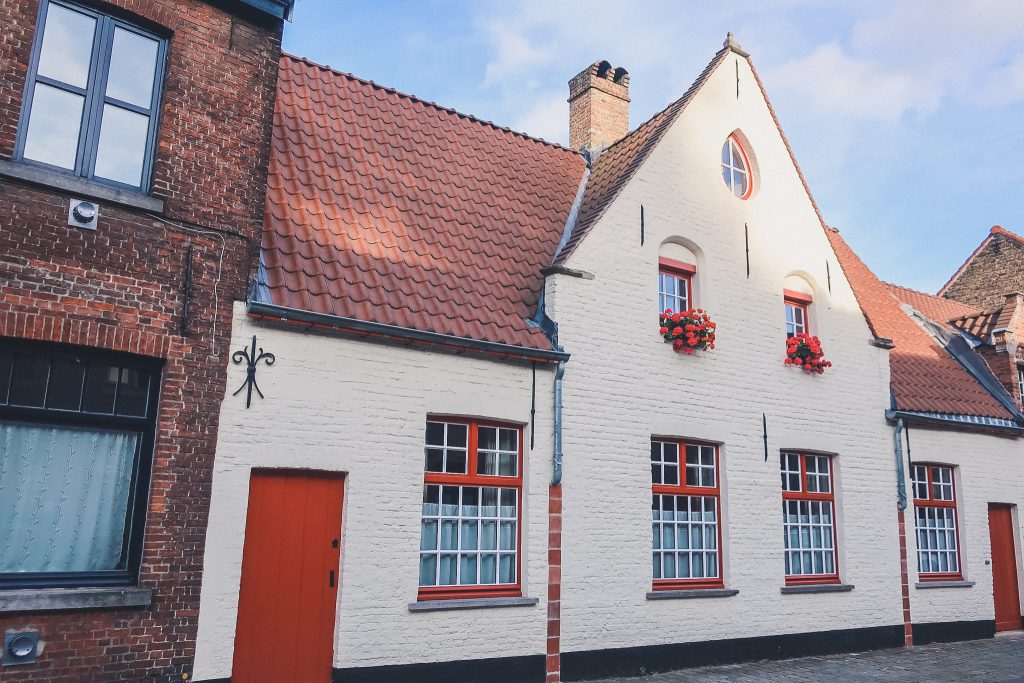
x: 470, y: 521
x: 809, y: 518
x: 92, y: 96
x: 935, y: 520
x: 686, y: 534
x: 76, y: 448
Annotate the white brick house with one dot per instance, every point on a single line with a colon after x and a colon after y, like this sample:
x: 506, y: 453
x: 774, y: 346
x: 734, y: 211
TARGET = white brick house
x: 459, y: 312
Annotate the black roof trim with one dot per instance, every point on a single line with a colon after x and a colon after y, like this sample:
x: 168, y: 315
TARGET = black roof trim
x: 267, y: 9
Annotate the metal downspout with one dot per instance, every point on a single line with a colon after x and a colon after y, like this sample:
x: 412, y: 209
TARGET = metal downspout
x: 556, y: 475
x: 901, y: 478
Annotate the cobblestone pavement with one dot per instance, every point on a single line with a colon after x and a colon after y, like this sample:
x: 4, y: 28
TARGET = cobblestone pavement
x: 1000, y: 660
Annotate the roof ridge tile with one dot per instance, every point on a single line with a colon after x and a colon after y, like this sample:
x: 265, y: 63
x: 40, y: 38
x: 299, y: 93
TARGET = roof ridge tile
x: 429, y: 103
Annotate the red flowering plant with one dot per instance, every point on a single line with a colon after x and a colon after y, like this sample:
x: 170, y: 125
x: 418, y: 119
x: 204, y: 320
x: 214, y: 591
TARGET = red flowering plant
x: 804, y: 351
x: 688, y: 331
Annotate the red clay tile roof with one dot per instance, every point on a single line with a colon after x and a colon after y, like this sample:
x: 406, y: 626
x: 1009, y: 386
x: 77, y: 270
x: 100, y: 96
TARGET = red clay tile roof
x: 615, y: 166
x: 385, y: 208
x: 935, y: 307
x: 979, y: 325
x: 925, y: 377
x: 970, y: 319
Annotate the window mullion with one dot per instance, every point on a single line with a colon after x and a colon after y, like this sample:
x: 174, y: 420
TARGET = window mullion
x: 93, y: 110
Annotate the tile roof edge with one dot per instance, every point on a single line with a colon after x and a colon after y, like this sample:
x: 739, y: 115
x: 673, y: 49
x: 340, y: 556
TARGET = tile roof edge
x: 977, y: 311
x: 688, y: 95
x: 262, y: 309
x: 680, y: 103
x: 1000, y: 230
x: 960, y: 420
x: 574, y: 212
x: 954, y: 344
x: 789, y: 148
x: 430, y: 103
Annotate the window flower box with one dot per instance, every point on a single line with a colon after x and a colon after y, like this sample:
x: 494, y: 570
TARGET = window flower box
x: 688, y: 331
x: 804, y: 351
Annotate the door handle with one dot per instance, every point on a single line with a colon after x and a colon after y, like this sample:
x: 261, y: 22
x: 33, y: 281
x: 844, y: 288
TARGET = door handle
x: 330, y: 579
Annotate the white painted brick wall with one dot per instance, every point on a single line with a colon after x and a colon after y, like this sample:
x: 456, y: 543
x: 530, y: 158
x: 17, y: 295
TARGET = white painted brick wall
x: 988, y: 470
x: 360, y: 408
x: 624, y: 384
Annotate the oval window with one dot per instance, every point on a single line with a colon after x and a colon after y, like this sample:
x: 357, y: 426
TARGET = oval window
x: 735, y: 168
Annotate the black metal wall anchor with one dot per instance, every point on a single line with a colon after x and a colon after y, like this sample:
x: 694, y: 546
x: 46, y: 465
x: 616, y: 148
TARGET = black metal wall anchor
x: 252, y: 358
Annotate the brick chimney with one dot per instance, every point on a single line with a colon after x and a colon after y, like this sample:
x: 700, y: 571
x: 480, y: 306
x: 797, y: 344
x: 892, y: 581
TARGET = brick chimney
x: 598, y: 107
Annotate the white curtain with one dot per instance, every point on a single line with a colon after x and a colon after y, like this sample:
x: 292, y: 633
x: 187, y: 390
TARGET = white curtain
x: 63, y: 497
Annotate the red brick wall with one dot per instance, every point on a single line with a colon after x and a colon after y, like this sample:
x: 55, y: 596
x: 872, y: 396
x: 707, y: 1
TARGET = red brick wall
x: 553, y: 658
x: 994, y: 271
x: 120, y: 288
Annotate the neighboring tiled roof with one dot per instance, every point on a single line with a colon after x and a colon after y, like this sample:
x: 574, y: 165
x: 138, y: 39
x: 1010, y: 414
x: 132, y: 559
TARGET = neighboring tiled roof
x: 616, y: 165
x: 925, y: 377
x: 935, y: 307
x: 979, y: 325
x: 389, y: 209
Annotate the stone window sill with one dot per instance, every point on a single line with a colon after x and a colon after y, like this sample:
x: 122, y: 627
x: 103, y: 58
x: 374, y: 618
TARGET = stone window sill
x: 692, y: 593
x: 470, y: 603
x: 81, y: 187
x: 817, y: 588
x: 944, y: 584
x: 54, y: 599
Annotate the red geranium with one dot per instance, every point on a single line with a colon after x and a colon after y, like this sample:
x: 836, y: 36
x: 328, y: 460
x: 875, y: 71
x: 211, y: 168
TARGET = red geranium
x: 805, y: 352
x: 687, y: 331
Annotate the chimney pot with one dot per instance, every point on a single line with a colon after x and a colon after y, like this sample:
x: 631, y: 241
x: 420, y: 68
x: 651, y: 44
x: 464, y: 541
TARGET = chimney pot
x: 598, y: 106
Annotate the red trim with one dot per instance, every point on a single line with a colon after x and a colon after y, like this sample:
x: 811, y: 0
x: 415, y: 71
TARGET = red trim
x: 681, y: 489
x: 746, y: 165
x: 471, y: 478
x: 938, y: 503
x: 669, y: 265
x: 830, y: 497
x: 797, y: 297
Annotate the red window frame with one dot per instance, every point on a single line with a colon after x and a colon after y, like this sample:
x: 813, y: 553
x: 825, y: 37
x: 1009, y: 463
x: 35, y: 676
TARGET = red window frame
x: 933, y: 502
x: 682, y: 489
x: 803, y: 302
x: 804, y: 494
x: 471, y: 478
x: 746, y: 168
x: 681, y: 270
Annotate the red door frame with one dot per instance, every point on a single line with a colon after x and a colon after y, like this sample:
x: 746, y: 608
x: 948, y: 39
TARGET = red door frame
x: 1005, y: 581
x: 288, y: 595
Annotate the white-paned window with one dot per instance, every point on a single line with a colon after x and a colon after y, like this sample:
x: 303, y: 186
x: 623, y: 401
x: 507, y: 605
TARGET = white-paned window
x: 938, y: 547
x: 808, y: 518
x: 685, y: 508
x: 472, y: 493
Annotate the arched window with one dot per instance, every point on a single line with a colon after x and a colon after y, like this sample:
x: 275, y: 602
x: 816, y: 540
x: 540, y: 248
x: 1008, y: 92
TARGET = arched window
x: 677, y: 269
x: 798, y: 295
x: 736, y: 168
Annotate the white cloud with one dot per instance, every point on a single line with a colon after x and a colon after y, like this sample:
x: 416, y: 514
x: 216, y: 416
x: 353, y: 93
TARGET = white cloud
x: 548, y: 119
x: 907, y: 57
x: 514, y: 55
x: 835, y: 83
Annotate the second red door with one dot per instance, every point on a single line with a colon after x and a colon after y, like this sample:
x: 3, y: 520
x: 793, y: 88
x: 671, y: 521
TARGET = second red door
x: 1005, y: 587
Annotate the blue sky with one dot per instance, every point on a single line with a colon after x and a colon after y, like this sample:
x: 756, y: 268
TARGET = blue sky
x: 905, y: 115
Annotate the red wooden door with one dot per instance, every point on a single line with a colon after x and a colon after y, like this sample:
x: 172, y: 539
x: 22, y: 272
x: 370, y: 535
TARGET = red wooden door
x: 290, y: 559
x: 1004, y: 568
